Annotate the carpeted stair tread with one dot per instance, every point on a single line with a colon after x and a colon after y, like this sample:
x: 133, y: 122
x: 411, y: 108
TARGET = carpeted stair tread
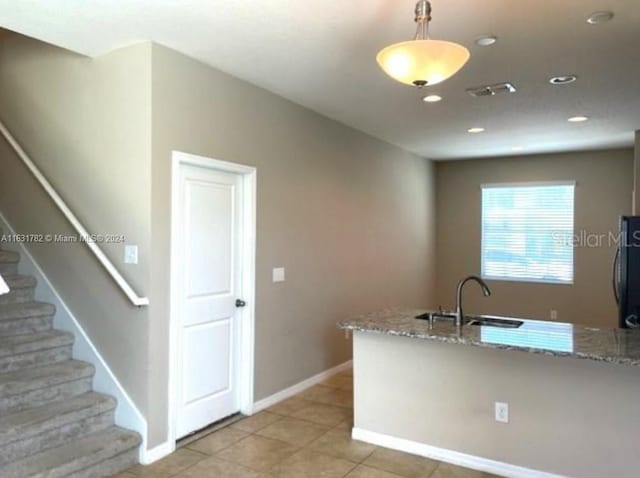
x: 71, y: 459
x: 52, y: 425
x: 37, y: 420
x: 22, y: 289
x: 9, y: 257
x: 26, y: 310
x: 25, y: 318
x: 18, y: 281
x: 19, y: 344
x: 20, y: 381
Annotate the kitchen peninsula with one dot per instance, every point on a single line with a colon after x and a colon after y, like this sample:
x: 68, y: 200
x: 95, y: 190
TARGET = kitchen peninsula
x: 429, y: 388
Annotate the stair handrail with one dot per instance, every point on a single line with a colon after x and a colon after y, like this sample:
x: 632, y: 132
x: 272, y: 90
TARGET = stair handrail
x: 75, y: 222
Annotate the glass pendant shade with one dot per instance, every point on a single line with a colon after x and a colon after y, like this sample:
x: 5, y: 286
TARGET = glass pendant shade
x: 422, y: 62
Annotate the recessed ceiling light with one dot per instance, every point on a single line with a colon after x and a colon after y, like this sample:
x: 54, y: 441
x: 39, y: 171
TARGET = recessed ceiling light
x: 517, y: 148
x: 475, y: 130
x: 563, y: 79
x: 578, y: 119
x: 432, y: 98
x: 599, y: 17
x: 486, y: 40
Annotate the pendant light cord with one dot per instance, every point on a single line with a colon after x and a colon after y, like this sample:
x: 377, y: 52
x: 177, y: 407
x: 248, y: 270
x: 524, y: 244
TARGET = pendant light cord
x: 422, y: 18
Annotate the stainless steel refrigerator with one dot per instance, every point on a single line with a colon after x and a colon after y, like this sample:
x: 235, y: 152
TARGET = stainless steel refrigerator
x: 626, y: 275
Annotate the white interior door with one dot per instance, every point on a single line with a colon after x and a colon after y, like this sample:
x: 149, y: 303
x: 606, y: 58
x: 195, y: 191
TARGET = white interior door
x: 209, y: 256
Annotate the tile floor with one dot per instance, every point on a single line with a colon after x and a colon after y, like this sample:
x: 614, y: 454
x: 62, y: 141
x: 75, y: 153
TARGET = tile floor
x: 307, y: 436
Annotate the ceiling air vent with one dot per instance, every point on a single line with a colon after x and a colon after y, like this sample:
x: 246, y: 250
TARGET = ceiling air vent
x: 491, y: 90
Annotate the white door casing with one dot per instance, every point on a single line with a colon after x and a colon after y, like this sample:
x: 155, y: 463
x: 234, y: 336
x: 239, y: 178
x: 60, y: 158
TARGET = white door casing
x: 213, y: 244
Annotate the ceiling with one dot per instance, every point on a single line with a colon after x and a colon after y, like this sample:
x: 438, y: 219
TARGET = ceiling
x: 322, y: 55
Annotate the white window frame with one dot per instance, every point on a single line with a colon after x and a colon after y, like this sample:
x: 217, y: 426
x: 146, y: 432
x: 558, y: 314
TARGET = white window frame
x: 482, y: 225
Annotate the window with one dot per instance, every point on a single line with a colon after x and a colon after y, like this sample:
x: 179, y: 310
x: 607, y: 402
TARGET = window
x: 527, y: 232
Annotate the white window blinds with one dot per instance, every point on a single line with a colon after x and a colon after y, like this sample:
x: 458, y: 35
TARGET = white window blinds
x: 527, y: 232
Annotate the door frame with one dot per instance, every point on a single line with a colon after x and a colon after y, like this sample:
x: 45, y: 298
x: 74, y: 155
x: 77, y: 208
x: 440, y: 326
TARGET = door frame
x: 246, y: 315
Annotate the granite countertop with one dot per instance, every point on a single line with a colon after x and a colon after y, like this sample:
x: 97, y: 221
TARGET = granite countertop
x: 619, y: 346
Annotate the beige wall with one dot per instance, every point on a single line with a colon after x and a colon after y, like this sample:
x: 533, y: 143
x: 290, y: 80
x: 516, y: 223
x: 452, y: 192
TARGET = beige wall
x: 572, y: 417
x: 603, y: 193
x: 86, y: 124
x: 350, y: 217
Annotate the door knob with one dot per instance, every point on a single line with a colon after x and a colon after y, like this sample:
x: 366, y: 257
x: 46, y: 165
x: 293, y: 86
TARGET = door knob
x: 240, y: 303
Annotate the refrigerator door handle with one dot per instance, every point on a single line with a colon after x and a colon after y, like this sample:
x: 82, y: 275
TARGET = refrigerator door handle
x: 616, y: 275
x: 632, y: 322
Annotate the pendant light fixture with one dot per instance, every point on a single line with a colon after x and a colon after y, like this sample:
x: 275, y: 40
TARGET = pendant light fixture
x: 422, y: 61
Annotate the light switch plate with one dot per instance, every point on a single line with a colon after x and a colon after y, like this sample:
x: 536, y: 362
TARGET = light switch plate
x: 278, y: 274
x: 130, y: 254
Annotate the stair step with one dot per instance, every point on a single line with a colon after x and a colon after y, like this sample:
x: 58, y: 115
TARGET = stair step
x: 9, y: 262
x: 36, y: 429
x: 25, y: 310
x: 36, y: 386
x: 26, y: 317
x: 52, y: 425
x: 100, y: 454
x: 22, y: 289
x: 30, y: 350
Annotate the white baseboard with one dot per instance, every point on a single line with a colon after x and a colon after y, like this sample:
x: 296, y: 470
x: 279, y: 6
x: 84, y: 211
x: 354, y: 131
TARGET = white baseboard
x: 127, y: 414
x: 167, y: 448
x: 299, y: 387
x: 157, y: 453
x: 449, y: 456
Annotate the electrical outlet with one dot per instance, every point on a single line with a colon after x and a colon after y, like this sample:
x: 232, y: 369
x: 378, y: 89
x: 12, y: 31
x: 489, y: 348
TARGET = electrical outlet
x: 502, y: 412
x: 553, y: 315
x: 130, y: 254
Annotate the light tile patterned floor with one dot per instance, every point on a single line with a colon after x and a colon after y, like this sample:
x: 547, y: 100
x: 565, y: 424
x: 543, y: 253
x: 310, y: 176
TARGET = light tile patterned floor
x: 307, y: 436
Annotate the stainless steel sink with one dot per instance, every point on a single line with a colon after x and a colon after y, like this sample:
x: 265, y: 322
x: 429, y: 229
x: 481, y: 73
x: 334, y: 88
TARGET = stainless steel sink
x: 496, y: 322
x: 481, y: 320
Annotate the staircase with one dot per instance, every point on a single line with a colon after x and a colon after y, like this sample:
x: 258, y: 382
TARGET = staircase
x: 52, y: 424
